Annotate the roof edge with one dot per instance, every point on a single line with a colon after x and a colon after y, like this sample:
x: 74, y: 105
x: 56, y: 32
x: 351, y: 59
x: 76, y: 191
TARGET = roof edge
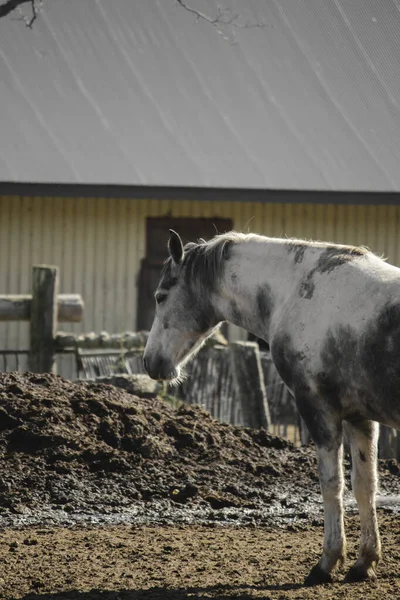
x: 139, y: 192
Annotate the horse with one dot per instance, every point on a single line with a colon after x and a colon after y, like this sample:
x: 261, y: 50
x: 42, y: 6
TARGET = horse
x: 331, y: 316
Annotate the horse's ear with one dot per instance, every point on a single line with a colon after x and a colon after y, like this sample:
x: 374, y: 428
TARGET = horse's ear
x: 175, y: 247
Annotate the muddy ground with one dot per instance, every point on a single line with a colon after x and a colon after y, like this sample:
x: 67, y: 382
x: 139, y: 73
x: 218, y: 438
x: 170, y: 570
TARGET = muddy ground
x: 107, y: 495
x: 182, y: 562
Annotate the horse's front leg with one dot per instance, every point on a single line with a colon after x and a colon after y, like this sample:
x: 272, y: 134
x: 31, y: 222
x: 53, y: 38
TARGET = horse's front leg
x: 363, y: 439
x: 331, y: 480
x: 328, y: 436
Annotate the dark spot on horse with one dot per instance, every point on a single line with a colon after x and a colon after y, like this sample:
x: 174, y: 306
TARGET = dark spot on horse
x: 204, y: 321
x: 235, y: 313
x: 331, y: 258
x: 362, y: 456
x: 299, y: 249
x: 319, y: 422
x: 340, y: 367
x: 335, y: 256
x: 299, y: 254
x: 294, y: 368
x: 265, y: 302
x: 202, y: 314
x: 234, y: 277
x: 380, y: 351
x: 288, y: 361
x: 307, y: 286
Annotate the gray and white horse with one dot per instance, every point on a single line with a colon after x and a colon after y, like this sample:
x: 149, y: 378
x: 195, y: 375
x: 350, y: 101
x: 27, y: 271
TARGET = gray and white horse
x: 331, y: 315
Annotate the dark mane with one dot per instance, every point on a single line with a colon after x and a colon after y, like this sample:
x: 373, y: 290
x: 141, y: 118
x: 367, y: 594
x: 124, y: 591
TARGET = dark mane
x: 204, y: 263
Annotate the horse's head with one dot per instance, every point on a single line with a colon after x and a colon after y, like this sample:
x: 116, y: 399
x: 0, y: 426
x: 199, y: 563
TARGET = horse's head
x: 184, y: 315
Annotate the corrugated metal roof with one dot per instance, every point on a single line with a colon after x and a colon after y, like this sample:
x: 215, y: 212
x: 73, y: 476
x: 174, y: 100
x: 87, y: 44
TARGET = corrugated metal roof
x: 300, y: 94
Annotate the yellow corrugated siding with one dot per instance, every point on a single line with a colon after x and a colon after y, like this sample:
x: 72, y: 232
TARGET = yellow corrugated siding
x: 98, y: 244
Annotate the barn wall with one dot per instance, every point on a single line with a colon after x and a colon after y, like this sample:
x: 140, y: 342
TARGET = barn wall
x: 98, y: 245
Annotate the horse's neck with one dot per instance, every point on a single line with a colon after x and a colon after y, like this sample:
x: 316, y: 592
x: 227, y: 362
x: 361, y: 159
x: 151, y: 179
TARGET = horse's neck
x: 258, y: 278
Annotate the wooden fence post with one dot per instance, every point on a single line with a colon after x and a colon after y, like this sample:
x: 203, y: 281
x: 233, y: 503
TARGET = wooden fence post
x: 249, y: 384
x: 43, y: 318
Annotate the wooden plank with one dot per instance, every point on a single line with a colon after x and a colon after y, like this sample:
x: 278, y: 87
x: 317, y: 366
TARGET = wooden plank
x: 249, y: 384
x: 93, y: 341
x: 15, y: 308
x: 70, y: 308
x: 43, y: 318
x: 18, y: 307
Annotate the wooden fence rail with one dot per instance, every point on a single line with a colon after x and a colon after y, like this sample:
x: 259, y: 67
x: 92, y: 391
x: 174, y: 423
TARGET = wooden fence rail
x: 18, y: 308
x: 130, y: 340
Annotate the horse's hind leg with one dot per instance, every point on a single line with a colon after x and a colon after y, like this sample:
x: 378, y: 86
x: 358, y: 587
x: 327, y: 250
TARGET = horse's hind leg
x: 363, y: 439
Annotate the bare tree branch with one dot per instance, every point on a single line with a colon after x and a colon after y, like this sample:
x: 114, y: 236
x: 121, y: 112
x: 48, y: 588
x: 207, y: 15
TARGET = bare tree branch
x: 224, y: 17
x: 34, y: 15
x: 10, y: 5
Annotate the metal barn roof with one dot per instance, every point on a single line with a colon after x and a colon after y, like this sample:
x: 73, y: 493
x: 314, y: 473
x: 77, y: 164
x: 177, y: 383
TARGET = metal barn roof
x: 289, y: 94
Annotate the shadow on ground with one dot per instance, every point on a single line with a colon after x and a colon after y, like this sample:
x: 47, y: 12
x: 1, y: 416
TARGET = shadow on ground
x: 222, y: 592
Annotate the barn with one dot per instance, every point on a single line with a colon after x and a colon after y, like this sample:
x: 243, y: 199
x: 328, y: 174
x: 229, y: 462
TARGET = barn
x: 119, y: 120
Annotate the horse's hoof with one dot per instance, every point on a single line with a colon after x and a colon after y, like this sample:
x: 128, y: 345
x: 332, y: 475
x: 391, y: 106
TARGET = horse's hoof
x: 317, y: 576
x: 360, y: 573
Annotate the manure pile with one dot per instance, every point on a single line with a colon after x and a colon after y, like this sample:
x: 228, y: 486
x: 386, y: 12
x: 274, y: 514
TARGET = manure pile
x: 92, y: 450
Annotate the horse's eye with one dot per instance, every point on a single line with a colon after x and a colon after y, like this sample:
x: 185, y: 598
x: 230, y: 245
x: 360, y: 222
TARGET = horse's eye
x: 160, y: 298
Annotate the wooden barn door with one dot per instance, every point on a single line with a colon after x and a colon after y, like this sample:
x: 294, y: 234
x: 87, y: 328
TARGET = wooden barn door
x: 156, y: 252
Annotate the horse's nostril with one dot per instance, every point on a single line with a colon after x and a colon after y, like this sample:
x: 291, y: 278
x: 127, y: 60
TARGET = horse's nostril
x: 157, y: 367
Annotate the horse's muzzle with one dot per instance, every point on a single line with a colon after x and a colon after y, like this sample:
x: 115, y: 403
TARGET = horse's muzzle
x: 159, y: 368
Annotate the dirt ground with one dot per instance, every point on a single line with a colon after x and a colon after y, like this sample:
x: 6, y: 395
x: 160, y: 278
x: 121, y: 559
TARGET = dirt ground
x: 107, y: 495
x: 175, y: 563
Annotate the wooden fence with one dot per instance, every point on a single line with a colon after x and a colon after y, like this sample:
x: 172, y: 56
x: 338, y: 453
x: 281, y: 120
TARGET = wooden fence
x: 44, y: 308
x: 228, y: 381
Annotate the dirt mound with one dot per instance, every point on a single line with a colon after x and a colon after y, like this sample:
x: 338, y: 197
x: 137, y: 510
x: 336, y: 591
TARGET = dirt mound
x: 87, y: 446
x: 93, y: 448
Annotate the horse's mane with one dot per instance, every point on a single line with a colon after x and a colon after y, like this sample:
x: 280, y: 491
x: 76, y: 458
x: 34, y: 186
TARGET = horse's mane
x: 205, y: 261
